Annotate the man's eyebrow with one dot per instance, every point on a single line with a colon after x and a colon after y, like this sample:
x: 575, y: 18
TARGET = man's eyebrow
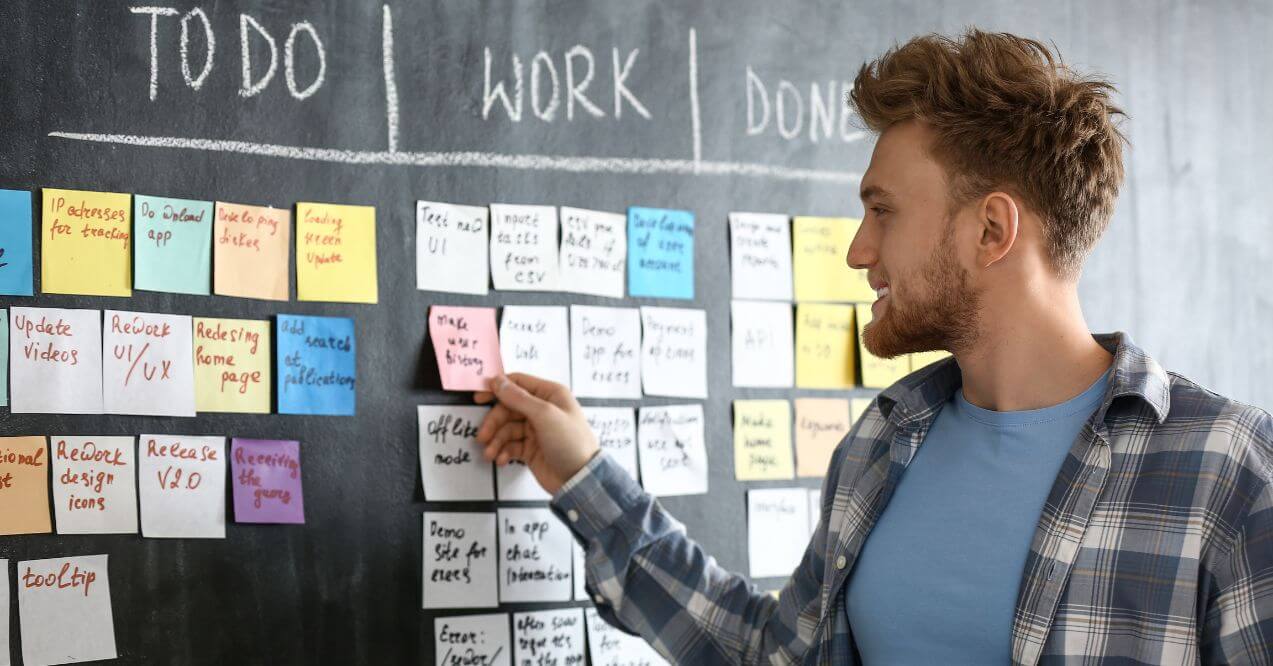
x: 873, y: 191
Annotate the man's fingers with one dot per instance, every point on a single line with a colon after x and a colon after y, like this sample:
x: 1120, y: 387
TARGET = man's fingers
x: 543, y: 389
x: 495, y: 419
x: 513, y: 431
x: 509, y: 392
x: 483, y: 397
x: 513, y: 451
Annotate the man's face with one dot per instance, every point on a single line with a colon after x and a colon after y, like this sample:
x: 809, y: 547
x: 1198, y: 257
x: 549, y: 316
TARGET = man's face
x: 907, y: 243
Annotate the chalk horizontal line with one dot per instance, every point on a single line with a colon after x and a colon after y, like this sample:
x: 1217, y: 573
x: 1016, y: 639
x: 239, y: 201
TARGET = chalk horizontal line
x: 530, y: 162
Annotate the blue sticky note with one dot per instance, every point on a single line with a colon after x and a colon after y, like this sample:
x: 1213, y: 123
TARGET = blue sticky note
x: 660, y: 253
x: 4, y: 357
x: 15, y: 243
x: 316, y: 365
x: 172, y: 245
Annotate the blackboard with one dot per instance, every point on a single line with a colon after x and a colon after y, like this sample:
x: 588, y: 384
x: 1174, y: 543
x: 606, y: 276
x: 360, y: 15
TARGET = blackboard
x: 96, y: 95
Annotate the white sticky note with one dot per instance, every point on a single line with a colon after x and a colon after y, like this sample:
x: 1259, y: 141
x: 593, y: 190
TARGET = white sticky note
x: 580, y: 566
x: 815, y: 510
x: 615, y: 428
x: 481, y: 640
x: 674, y: 352
x: 605, y: 347
x: 536, y: 340
x: 524, y: 247
x: 182, y: 482
x: 94, y: 485
x: 543, y: 638
x: 763, y: 347
x: 534, y: 562
x: 760, y: 256
x: 514, y: 482
x: 459, y: 560
x: 594, y: 251
x: 4, y: 612
x: 64, y: 610
x: 148, y: 364
x: 451, y: 248
x: 451, y: 464
x: 673, y: 453
x: 608, y: 646
x: 777, y: 530
x: 55, y: 361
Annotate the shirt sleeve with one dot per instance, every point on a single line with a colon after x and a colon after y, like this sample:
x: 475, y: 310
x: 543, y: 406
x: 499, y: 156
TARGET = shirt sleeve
x: 649, y: 578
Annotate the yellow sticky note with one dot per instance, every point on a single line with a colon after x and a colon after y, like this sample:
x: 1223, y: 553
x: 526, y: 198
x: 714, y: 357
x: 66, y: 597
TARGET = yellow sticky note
x: 921, y: 359
x: 858, y: 407
x: 24, y: 486
x: 878, y: 372
x: 762, y: 440
x: 250, y: 247
x: 232, y: 365
x: 824, y: 346
x: 86, y: 243
x: 820, y: 247
x: 335, y: 253
x: 820, y: 425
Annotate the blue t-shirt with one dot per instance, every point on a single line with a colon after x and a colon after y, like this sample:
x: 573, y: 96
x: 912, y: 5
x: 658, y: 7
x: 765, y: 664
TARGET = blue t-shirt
x: 936, y: 581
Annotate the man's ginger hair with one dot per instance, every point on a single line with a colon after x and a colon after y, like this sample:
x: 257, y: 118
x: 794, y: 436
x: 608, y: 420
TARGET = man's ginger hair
x: 1007, y: 115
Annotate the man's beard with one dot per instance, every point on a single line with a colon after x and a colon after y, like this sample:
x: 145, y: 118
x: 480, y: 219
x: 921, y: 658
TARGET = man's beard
x: 943, y: 317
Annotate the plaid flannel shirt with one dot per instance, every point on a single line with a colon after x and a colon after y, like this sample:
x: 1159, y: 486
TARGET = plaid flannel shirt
x: 1155, y: 545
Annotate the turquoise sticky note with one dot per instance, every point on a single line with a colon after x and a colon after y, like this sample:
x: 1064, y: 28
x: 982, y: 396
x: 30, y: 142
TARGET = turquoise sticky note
x: 15, y: 243
x: 172, y: 244
x: 316, y: 365
x: 4, y: 357
x: 660, y: 253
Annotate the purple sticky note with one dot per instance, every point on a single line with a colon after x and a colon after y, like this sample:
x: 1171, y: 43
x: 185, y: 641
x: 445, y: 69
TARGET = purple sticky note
x: 266, y: 476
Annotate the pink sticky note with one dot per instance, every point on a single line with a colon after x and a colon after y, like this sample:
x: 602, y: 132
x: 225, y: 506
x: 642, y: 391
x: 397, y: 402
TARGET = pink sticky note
x: 266, y: 477
x: 467, y: 345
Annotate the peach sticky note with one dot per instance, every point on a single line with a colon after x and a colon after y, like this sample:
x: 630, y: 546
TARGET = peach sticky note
x: 232, y: 365
x: 762, y: 440
x: 819, y: 248
x: 467, y: 346
x: 820, y: 425
x: 878, y: 372
x: 86, y: 243
x: 24, y: 486
x: 250, y: 246
x: 824, y: 346
x: 335, y: 253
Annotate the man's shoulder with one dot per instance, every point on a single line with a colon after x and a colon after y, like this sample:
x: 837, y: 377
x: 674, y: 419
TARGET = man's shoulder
x: 1217, y: 419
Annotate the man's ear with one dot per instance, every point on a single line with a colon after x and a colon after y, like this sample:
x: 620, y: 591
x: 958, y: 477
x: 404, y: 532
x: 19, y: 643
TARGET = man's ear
x: 1000, y: 219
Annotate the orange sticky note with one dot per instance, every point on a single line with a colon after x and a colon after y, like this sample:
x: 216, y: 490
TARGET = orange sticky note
x: 250, y: 246
x: 467, y: 346
x: 24, y: 486
x: 820, y: 425
x: 335, y: 253
x: 86, y: 243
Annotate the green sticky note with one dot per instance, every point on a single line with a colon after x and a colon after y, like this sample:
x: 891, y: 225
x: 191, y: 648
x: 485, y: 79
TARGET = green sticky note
x: 172, y: 241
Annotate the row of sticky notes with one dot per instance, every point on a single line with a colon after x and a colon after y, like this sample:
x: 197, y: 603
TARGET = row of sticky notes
x: 109, y: 243
x: 68, y: 361
x: 762, y: 435
x: 179, y: 482
x: 598, y: 352
x: 827, y: 352
x: 538, y: 637
x: 64, y: 610
x: 780, y: 523
x: 802, y: 258
x: 664, y: 443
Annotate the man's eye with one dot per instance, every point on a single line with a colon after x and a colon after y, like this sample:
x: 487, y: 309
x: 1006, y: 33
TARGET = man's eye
x: 879, y: 211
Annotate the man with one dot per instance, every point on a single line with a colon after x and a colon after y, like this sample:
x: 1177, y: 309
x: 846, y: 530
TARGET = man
x: 1045, y: 496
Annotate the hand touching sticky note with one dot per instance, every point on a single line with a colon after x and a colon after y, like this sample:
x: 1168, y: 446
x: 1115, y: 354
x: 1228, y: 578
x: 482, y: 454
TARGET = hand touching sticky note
x: 467, y: 346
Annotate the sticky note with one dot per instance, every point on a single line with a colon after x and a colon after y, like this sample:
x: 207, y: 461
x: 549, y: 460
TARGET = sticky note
x: 877, y: 372
x: 660, y: 253
x: 459, y: 560
x: 673, y: 453
x: 760, y: 256
x: 64, y: 610
x: 182, y: 486
x: 594, y: 251
x: 762, y: 440
x: 232, y: 370
x: 316, y: 365
x: 451, y: 248
x: 148, y: 364
x: 466, y: 345
x: 4, y: 612
x: 923, y: 359
x: 820, y: 248
x: 674, y: 352
x: 15, y: 243
x: 265, y: 476
x: 4, y: 357
x: 173, y: 247
x: 86, y: 243
x: 451, y: 463
x: 534, y: 556
x: 824, y: 346
x: 615, y: 428
x: 762, y: 349
x: 604, y: 347
x: 55, y: 359
x: 858, y: 407
x: 95, y: 485
x: 821, y: 423
x: 336, y: 253
x: 609, y: 646
x: 815, y: 510
x: 524, y: 247
x: 24, y: 486
x: 549, y: 637
x: 250, y: 258
x: 536, y: 340
x: 472, y: 639
x: 515, y: 482
x: 777, y: 530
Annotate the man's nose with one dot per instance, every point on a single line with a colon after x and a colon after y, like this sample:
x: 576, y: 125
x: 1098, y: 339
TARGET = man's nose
x: 861, y: 254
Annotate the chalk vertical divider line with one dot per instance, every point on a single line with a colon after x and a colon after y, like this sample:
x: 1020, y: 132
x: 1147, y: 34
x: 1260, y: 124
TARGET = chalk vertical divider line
x: 695, y: 123
x: 391, y: 87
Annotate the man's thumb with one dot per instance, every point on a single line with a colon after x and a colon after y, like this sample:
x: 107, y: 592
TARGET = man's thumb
x: 515, y: 397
